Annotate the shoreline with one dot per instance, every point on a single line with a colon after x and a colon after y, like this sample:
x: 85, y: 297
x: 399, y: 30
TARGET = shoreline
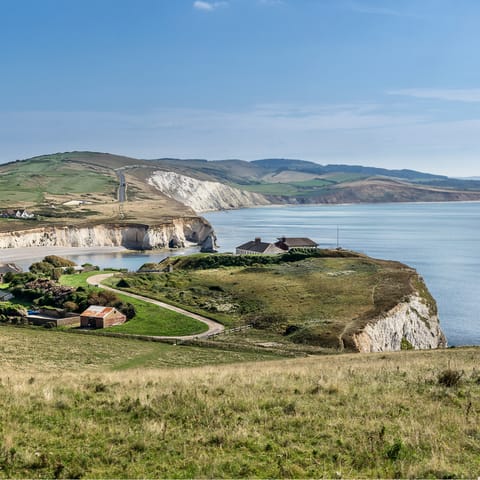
x: 13, y: 255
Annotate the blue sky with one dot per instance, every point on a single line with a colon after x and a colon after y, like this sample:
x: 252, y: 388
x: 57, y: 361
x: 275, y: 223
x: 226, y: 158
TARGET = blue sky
x: 391, y: 83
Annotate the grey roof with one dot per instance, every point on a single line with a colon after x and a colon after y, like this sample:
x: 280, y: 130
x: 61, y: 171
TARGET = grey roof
x: 258, y: 247
x: 296, y: 242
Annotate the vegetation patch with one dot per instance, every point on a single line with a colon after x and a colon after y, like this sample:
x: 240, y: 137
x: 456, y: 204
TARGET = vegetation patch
x: 323, y: 294
x: 346, y: 416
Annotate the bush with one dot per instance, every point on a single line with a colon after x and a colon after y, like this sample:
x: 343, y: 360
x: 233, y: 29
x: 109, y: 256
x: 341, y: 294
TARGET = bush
x: 59, y: 261
x: 450, y: 378
x: 127, y: 309
x: 8, y: 309
x: 42, y: 268
x: 70, y: 306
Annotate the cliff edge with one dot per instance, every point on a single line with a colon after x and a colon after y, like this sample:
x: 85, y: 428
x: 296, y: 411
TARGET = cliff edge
x: 412, y: 323
x: 172, y: 233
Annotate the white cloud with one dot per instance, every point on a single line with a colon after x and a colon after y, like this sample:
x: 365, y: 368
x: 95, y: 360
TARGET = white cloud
x: 208, y: 6
x: 453, y: 95
x: 364, y: 133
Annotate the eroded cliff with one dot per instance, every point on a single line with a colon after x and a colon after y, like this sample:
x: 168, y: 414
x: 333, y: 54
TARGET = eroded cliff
x: 411, y: 324
x: 174, y: 232
x: 203, y: 196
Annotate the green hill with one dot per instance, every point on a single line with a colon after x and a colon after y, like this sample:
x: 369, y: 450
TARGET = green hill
x: 82, y: 187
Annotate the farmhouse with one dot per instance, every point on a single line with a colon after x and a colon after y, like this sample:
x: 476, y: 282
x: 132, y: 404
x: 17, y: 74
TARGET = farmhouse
x: 97, y: 316
x: 283, y: 245
x: 53, y: 317
x: 257, y: 247
x: 287, y: 243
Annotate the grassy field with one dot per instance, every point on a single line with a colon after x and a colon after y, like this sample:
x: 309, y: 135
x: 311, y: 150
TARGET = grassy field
x: 349, y: 416
x: 153, y: 320
x: 29, y: 181
x: 149, y: 319
x: 302, y: 188
x: 313, y: 301
x: 37, y: 350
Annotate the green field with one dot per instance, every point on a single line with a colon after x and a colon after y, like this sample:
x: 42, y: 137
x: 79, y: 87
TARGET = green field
x: 307, y: 187
x: 153, y: 320
x: 30, y: 180
x: 149, y: 319
x: 313, y: 301
x: 67, y: 413
x: 37, y: 350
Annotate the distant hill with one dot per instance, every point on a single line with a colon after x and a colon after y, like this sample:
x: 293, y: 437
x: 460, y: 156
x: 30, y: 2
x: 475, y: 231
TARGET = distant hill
x: 78, y: 187
x: 304, y: 166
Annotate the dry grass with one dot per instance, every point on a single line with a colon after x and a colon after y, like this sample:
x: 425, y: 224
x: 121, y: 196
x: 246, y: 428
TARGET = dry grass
x: 36, y: 350
x: 375, y: 415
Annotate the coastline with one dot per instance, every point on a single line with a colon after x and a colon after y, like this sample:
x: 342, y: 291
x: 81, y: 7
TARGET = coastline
x: 12, y: 255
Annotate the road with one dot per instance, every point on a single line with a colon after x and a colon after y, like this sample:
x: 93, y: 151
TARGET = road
x: 213, y: 327
x: 122, y: 188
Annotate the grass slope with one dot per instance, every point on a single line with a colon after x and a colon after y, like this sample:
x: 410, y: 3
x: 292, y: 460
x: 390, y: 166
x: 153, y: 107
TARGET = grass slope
x: 149, y: 319
x: 351, y: 416
x: 29, y: 181
x: 316, y: 299
x: 35, y: 350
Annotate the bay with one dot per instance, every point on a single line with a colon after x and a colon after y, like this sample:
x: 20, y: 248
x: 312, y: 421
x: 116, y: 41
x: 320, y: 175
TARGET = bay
x: 440, y: 240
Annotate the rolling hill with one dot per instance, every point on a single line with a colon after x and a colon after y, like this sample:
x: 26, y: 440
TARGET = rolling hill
x: 83, y: 187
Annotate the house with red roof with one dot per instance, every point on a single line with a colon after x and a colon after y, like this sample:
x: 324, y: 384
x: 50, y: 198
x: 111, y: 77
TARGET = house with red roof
x: 96, y: 316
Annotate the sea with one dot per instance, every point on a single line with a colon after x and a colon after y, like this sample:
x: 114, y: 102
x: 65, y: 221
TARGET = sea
x: 440, y: 240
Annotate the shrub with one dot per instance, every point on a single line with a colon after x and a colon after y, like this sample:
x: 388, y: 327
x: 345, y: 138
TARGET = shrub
x: 406, y: 345
x: 450, y: 378
x: 70, y: 306
x: 43, y: 268
x: 58, y: 261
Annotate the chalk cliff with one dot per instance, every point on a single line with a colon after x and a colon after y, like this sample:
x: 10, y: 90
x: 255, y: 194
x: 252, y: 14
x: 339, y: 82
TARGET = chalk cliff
x: 411, y: 324
x: 204, y: 196
x: 174, y: 232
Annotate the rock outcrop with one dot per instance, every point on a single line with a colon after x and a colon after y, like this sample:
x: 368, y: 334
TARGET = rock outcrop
x: 410, y: 324
x: 176, y: 232
x: 204, y: 196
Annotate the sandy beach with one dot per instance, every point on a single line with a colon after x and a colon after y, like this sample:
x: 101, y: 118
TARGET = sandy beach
x: 9, y: 255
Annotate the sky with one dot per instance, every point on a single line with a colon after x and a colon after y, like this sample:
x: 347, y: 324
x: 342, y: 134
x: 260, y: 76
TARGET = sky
x: 387, y: 83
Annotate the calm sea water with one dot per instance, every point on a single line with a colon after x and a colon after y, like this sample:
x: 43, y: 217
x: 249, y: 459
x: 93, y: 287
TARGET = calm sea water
x: 440, y: 240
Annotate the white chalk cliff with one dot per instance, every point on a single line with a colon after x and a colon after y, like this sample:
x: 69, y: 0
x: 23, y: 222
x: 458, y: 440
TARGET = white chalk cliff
x: 412, y: 320
x: 203, y: 196
x: 177, y: 232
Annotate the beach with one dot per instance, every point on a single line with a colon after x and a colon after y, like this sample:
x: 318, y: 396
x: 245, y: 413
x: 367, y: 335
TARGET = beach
x: 13, y: 255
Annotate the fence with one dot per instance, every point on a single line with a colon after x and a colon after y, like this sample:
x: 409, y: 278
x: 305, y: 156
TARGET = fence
x: 227, y: 331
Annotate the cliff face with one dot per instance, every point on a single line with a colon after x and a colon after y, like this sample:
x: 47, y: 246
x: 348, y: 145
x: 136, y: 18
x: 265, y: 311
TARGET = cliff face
x: 204, y: 196
x: 412, y: 322
x: 177, y: 232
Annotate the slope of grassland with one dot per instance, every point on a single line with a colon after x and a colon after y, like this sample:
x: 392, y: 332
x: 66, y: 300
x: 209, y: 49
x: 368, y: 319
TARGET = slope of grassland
x: 66, y: 414
x: 48, y: 184
x: 322, y: 300
x: 79, y: 188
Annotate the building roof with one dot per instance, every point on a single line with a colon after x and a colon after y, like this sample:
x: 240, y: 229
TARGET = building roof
x: 9, y: 267
x: 97, y: 311
x: 296, y: 242
x: 254, y: 246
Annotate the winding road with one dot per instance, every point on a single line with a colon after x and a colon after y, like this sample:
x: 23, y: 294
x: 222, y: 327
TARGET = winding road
x: 213, y: 327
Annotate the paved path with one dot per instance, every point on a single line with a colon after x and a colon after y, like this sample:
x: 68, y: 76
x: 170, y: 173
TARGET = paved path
x: 122, y: 187
x: 213, y: 327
